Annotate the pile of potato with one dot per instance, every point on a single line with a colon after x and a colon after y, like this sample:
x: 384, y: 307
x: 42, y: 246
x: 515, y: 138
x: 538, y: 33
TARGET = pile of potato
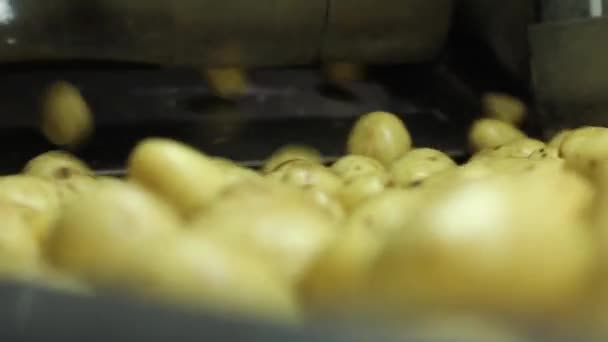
x: 388, y: 229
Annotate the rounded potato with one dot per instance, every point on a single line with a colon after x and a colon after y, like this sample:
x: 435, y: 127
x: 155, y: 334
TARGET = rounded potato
x: 109, y: 233
x: 352, y: 166
x: 56, y: 165
x: 327, y: 203
x: 235, y: 174
x: 20, y: 257
x: 66, y: 118
x: 419, y: 164
x: 357, y: 190
x: 491, y: 133
x: 584, y: 147
x: 305, y: 174
x: 558, y: 139
x: 504, y: 107
x: 279, y: 224
x: 291, y: 152
x: 199, y: 271
x: 228, y: 83
x: 183, y: 176
x: 482, y: 243
x: 36, y: 197
x: 518, y: 148
x: 381, y: 136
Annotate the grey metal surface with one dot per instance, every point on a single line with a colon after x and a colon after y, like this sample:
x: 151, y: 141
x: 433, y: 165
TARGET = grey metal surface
x: 226, y: 32
x: 559, y: 10
x: 570, y: 72
x: 381, y: 31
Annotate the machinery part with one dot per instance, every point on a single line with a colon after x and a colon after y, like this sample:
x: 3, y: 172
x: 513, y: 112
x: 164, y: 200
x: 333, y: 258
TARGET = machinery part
x: 568, y: 67
x: 224, y: 33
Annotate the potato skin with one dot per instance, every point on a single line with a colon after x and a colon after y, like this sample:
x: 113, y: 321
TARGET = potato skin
x: 56, y: 165
x: 305, y: 174
x: 352, y: 166
x: 291, y: 152
x: 491, y: 133
x: 419, y: 164
x: 381, y: 136
x: 67, y: 119
x: 181, y: 175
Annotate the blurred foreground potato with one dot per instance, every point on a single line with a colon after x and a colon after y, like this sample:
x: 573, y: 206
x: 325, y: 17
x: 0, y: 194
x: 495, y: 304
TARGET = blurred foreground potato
x: 492, y: 133
x: 277, y: 223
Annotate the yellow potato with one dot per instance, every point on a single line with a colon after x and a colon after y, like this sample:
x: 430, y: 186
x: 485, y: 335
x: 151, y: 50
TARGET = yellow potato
x: 20, y: 257
x: 110, y: 233
x: 37, y: 198
x: 352, y: 166
x: 518, y: 148
x: 235, y: 174
x: 72, y: 188
x: 338, y: 278
x: 198, y: 271
x: 291, y: 152
x: 228, y: 82
x: 483, y: 243
x: 357, y: 190
x: 305, y: 174
x: 491, y: 133
x: 504, y: 107
x: 545, y: 153
x: 327, y: 203
x: 558, y: 139
x: 584, y: 147
x: 186, y: 178
x: 279, y: 224
x: 419, y: 164
x: 66, y: 118
x: 57, y: 165
x: 380, y: 135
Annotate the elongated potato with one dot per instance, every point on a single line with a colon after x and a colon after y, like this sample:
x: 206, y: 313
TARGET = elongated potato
x: 180, y: 174
x: 419, y: 164
x: 109, y: 234
x: 38, y: 199
x: 557, y: 140
x: 357, y: 190
x: 307, y: 175
x: 291, y: 152
x: 56, y: 165
x: 518, y: 148
x: 482, y: 243
x: 66, y: 118
x: 380, y: 135
x: 352, y: 166
x: 504, y: 107
x: 227, y: 83
x: 200, y: 272
x: 235, y: 174
x: 277, y: 223
x: 491, y: 133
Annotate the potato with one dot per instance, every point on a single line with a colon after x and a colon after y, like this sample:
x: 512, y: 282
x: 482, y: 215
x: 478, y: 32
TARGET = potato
x: 491, y: 133
x: 381, y: 136
x: 291, y: 152
x: 357, y: 190
x: 344, y: 73
x: 235, y: 174
x: 331, y: 206
x: 110, y: 233
x: 305, y: 174
x: 20, y: 257
x: 352, y: 166
x: 545, y: 153
x: 56, y: 165
x: 519, y: 148
x: 482, y: 243
x: 558, y: 139
x: 338, y: 278
x: 72, y: 188
x: 504, y: 107
x: 199, y: 271
x: 66, y: 118
x: 584, y: 147
x: 279, y: 224
x: 228, y: 82
x: 186, y: 178
x: 37, y: 198
x: 419, y: 164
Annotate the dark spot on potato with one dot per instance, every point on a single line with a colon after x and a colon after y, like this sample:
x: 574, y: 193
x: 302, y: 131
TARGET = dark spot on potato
x: 433, y: 158
x: 415, y: 183
x: 63, y: 173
